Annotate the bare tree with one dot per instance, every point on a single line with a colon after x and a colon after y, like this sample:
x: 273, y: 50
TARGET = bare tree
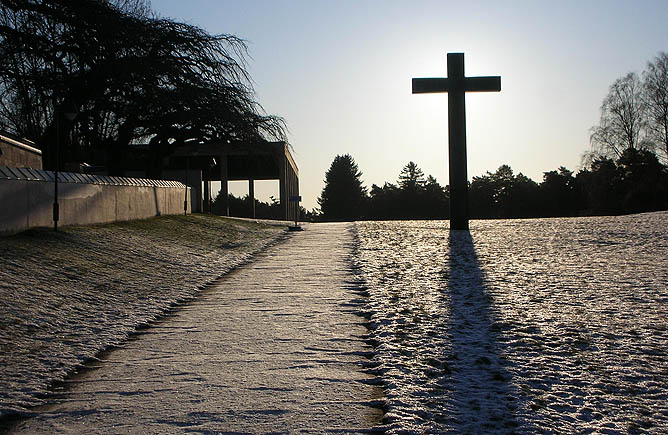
x: 135, y: 8
x: 130, y: 75
x: 655, y: 84
x: 622, y: 118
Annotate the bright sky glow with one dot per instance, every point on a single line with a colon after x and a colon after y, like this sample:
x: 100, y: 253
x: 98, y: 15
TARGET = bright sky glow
x: 340, y: 73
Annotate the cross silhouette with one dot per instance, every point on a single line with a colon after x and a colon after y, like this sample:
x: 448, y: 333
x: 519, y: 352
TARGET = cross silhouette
x: 456, y: 85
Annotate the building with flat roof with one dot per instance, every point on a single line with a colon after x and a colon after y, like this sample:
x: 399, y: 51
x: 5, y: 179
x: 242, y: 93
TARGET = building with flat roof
x: 233, y: 162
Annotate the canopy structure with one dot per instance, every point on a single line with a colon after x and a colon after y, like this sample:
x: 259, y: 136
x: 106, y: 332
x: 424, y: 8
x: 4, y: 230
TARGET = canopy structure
x: 260, y: 161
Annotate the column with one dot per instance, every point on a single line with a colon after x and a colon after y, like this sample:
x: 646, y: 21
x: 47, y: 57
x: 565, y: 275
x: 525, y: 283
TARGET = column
x: 297, y: 209
x: 283, y: 188
x: 206, y: 206
x: 223, y: 184
x: 251, y: 196
x: 293, y: 182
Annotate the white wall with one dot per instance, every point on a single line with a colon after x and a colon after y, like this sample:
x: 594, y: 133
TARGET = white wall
x: 27, y: 202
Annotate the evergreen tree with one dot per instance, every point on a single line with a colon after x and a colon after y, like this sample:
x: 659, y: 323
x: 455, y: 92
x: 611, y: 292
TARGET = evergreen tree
x: 559, y: 194
x: 411, y: 178
x: 343, y: 197
x: 384, y: 202
x: 414, y: 197
x: 602, y: 186
x: 503, y: 194
x: 411, y: 196
x: 645, y: 181
x: 436, y: 200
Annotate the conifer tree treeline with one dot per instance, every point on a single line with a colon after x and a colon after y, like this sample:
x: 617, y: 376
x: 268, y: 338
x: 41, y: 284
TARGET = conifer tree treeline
x: 636, y: 182
x: 344, y: 197
x: 413, y: 197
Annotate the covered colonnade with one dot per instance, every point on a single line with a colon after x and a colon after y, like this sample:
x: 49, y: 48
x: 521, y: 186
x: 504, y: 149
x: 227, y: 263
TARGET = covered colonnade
x: 237, y: 162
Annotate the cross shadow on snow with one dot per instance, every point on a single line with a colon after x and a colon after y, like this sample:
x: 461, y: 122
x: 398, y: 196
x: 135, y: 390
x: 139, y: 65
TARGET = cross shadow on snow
x: 482, y: 396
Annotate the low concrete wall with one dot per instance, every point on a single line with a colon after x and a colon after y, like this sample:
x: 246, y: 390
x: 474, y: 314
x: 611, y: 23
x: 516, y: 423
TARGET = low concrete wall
x: 26, y: 199
x: 193, y: 178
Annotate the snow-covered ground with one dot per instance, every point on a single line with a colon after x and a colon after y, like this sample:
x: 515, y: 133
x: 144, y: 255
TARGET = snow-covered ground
x: 66, y: 296
x: 277, y: 346
x: 547, y: 325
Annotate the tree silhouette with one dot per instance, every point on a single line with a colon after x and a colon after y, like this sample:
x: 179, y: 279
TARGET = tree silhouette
x: 343, y: 197
x: 241, y: 207
x: 436, y: 200
x: 414, y: 197
x: 503, y: 194
x: 655, y: 82
x: 411, y: 195
x: 559, y: 193
x: 411, y: 178
x: 131, y: 76
x: 384, y: 202
x: 622, y: 118
x: 602, y: 186
x: 644, y: 181
x: 635, y: 182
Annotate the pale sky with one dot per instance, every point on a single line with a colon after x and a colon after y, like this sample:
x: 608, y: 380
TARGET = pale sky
x: 340, y: 73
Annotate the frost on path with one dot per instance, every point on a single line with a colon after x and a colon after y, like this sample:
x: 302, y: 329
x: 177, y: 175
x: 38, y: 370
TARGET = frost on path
x: 274, y: 346
x: 67, y: 295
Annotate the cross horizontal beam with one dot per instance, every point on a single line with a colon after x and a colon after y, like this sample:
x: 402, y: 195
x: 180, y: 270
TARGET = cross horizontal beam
x: 470, y: 84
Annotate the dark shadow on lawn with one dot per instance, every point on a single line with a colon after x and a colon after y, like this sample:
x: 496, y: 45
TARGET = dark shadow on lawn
x: 483, y: 395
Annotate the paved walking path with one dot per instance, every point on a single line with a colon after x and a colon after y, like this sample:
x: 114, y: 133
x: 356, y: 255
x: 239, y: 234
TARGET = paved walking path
x: 275, y: 346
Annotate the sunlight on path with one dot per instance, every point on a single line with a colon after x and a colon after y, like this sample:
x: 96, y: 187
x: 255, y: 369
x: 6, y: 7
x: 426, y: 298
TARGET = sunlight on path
x: 274, y: 346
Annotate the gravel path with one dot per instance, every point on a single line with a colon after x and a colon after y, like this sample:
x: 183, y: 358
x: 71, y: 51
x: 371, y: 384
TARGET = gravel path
x: 277, y: 345
x: 67, y: 296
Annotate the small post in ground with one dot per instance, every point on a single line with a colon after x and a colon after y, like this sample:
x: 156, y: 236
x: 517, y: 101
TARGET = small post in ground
x: 296, y: 199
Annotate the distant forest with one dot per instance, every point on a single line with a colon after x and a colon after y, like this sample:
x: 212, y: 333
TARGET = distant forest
x: 636, y: 182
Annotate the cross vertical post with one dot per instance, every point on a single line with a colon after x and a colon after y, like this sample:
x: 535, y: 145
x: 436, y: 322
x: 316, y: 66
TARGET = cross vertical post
x: 456, y: 85
x: 457, y: 143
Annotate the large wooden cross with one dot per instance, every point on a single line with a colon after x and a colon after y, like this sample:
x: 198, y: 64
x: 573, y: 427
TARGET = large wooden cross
x: 456, y: 85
